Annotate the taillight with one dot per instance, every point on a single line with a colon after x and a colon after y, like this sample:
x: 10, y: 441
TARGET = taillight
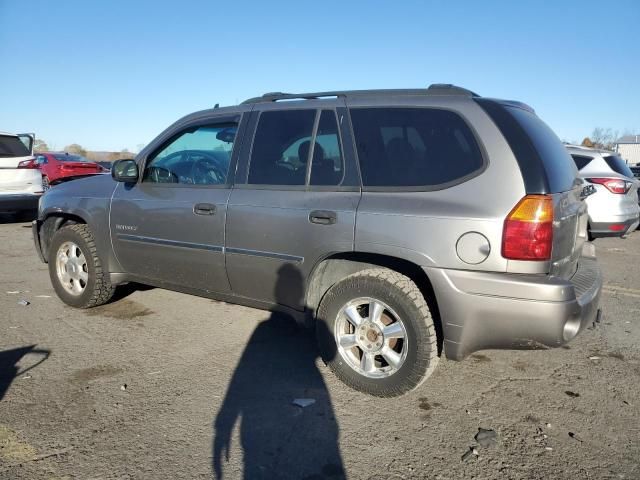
x: 614, y: 185
x: 27, y: 164
x: 528, y: 229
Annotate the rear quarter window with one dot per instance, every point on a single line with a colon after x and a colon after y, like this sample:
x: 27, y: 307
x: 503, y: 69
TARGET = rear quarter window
x: 544, y: 161
x: 561, y: 171
x: 414, y: 147
x: 581, y: 161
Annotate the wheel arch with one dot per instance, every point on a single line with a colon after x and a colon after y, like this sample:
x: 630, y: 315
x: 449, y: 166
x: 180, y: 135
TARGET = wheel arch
x: 335, y: 267
x: 51, y: 224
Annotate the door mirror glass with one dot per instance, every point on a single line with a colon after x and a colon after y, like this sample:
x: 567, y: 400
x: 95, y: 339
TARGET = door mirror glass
x: 125, y: 171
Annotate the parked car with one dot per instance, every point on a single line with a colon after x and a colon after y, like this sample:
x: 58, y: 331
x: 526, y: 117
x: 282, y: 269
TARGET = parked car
x: 57, y: 166
x: 613, y: 209
x: 635, y: 169
x: 20, y: 189
x: 398, y: 222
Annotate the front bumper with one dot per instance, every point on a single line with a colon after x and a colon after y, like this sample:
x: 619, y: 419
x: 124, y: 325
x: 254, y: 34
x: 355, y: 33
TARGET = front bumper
x: 19, y: 202
x: 481, y: 310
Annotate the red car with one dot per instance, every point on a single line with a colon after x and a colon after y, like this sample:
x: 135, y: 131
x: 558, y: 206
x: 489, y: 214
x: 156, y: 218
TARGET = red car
x: 57, y: 165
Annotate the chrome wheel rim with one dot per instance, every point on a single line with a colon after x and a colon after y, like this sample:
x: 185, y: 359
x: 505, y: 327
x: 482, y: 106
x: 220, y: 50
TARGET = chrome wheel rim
x: 71, y: 268
x: 371, y: 338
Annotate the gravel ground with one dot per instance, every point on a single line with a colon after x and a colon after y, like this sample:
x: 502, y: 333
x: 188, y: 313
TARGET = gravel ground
x: 163, y: 385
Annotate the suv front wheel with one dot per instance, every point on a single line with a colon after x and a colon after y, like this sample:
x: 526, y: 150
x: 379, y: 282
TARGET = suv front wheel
x: 75, y: 269
x: 376, y: 333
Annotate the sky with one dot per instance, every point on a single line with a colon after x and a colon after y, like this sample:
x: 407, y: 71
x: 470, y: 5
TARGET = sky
x: 113, y: 75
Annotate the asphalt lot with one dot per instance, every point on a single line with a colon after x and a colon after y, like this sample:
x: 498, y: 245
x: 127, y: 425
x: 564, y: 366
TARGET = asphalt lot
x: 164, y: 385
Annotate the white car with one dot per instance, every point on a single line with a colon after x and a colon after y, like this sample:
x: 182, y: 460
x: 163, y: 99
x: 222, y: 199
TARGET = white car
x: 20, y: 188
x: 613, y: 208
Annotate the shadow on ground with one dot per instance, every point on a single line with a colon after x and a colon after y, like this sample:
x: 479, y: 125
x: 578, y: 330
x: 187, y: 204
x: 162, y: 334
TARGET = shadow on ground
x: 279, y: 440
x: 9, y: 360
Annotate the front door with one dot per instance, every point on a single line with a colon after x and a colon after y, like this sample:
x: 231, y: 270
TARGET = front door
x: 293, y: 205
x: 169, y: 226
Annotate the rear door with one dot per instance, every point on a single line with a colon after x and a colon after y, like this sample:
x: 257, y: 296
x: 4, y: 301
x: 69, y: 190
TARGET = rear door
x: 294, y: 201
x: 169, y: 226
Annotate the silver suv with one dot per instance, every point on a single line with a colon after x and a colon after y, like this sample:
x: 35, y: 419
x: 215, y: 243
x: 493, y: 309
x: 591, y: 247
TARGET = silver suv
x: 613, y: 208
x: 399, y: 223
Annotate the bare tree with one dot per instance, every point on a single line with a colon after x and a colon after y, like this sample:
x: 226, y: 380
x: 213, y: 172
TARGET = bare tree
x: 604, y: 138
x: 40, y: 145
x: 75, y: 148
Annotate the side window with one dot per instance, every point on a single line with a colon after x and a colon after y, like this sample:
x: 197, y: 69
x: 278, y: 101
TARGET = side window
x: 581, y: 161
x: 198, y: 156
x: 278, y: 156
x: 41, y: 160
x: 327, y: 166
x: 420, y: 147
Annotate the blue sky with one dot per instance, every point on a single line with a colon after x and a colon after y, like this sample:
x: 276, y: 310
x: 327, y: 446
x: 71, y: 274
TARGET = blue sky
x: 112, y: 75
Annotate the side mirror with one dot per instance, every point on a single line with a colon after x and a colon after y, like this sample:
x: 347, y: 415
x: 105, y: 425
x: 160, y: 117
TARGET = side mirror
x: 125, y: 171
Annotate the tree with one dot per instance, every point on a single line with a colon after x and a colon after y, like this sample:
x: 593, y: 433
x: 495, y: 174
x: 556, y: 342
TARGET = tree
x: 40, y: 145
x: 75, y: 148
x: 604, y: 138
x: 587, y: 142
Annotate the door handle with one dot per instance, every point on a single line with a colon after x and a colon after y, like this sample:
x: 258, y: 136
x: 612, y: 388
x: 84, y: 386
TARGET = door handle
x: 204, y: 209
x: 323, y: 217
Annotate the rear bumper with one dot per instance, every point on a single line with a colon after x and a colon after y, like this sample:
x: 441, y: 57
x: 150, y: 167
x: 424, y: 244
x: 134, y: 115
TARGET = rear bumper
x: 481, y: 310
x: 18, y: 203
x: 618, y: 227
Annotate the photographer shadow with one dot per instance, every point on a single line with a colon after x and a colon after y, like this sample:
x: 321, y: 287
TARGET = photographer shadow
x: 279, y: 440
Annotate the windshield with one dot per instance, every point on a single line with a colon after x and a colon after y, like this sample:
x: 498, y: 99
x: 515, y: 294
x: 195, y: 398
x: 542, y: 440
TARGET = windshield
x: 618, y: 165
x: 69, y: 157
x: 11, y: 146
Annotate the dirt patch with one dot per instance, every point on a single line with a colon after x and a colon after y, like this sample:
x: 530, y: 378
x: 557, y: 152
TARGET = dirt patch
x: 425, y: 405
x: 93, y: 373
x: 122, y: 310
x: 478, y: 357
x: 13, y: 449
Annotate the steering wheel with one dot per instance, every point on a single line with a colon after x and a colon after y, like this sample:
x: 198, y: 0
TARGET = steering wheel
x: 161, y: 175
x: 206, y: 171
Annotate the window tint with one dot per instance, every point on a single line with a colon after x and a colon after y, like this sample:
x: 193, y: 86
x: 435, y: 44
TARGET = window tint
x: 581, y: 161
x: 199, y: 156
x: 560, y: 170
x: 617, y: 164
x: 413, y: 146
x: 69, y: 157
x: 327, y: 165
x: 12, y: 147
x: 278, y: 156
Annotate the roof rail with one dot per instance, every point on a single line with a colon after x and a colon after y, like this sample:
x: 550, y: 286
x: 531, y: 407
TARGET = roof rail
x: 434, y: 89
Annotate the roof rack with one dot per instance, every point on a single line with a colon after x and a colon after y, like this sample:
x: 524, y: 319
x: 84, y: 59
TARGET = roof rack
x: 434, y: 89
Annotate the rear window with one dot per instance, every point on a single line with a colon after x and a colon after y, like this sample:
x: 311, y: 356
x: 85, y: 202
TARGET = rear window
x: 618, y: 165
x: 414, y: 147
x: 581, y: 161
x: 69, y: 157
x: 12, y: 147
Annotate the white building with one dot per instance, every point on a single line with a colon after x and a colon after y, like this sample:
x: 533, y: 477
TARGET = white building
x: 629, y: 148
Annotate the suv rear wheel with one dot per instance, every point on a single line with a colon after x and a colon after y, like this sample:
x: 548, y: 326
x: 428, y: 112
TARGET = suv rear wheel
x: 75, y: 268
x: 376, y: 333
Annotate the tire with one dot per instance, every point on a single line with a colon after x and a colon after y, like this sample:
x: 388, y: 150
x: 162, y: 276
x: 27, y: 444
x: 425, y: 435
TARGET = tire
x: 413, y: 341
x: 79, y: 281
x: 45, y: 183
